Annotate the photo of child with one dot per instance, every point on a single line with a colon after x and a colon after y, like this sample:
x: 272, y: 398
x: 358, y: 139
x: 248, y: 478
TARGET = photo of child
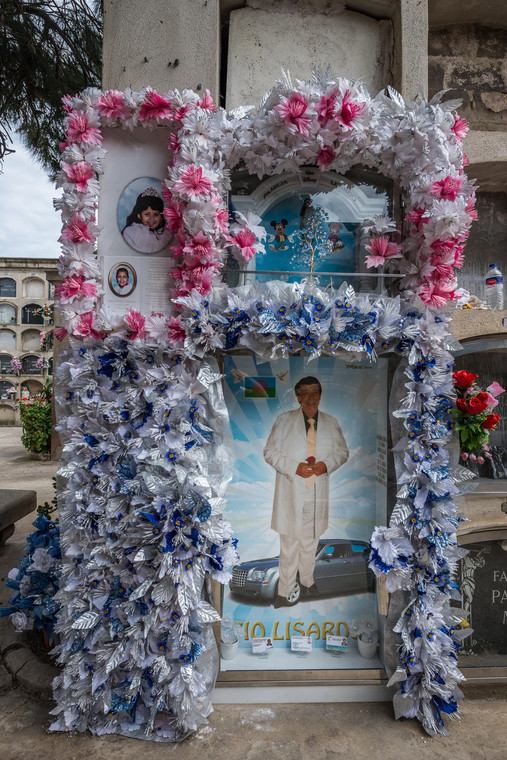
x: 140, y: 216
x: 122, y: 280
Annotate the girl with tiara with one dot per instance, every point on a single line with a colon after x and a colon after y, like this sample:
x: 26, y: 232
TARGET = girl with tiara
x: 145, y: 229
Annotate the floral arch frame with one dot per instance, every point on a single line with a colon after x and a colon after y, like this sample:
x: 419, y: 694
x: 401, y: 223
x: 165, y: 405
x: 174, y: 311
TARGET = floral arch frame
x: 140, y: 410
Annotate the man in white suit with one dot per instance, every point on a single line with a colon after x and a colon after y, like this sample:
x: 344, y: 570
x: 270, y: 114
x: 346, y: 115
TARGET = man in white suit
x: 304, y: 447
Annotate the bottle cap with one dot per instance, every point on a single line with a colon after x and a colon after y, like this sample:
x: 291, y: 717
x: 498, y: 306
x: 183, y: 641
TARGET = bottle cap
x: 493, y: 265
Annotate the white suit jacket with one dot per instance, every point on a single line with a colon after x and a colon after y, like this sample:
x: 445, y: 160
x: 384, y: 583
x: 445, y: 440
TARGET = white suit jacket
x: 285, y: 448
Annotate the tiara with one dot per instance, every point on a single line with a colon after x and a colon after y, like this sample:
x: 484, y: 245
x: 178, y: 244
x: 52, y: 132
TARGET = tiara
x: 151, y: 192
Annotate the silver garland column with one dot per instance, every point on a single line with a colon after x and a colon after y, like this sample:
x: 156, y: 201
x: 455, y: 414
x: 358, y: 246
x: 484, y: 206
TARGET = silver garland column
x: 146, y: 461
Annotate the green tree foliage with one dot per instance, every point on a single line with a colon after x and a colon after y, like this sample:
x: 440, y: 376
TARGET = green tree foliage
x: 48, y: 48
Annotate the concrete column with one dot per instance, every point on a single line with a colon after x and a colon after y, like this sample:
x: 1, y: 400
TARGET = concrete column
x: 166, y: 44
x: 411, y: 47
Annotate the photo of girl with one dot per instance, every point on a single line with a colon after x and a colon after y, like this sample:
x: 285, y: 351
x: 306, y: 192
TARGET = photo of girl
x: 143, y: 225
x: 122, y: 280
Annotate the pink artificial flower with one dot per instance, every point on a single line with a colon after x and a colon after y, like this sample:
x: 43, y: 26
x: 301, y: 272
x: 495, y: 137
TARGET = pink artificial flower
x: 460, y: 127
x: 245, y: 240
x: 193, y: 183
x: 447, y: 188
x: 154, y: 107
x: 173, y: 216
x: 79, y: 130
x: 470, y: 208
x: 441, y: 272
x: 417, y: 217
x: 480, y: 460
x: 77, y: 231
x: 222, y: 220
x: 207, y: 102
x: 200, y: 246
x: 382, y: 249
x: 464, y: 456
x: 200, y: 279
x: 350, y: 110
x: 466, y: 160
x: 87, y: 328
x: 325, y: 108
x: 436, y: 294
x: 326, y: 155
x: 292, y: 112
x: 75, y: 286
x: 179, y: 113
x: 459, y: 256
x: 60, y: 333
x: 79, y: 173
x: 112, y: 105
x: 473, y: 458
x: 495, y: 389
x: 444, y: 247
x: 135, y: 322
x: 176, y: 330
x: 174, y: 143
x: 67, y: 103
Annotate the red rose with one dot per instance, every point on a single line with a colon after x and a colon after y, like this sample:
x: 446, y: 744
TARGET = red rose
x: 311, y: 460
x: 491, y: 421
x: 461, y: 403
x: 464, y: 379
x: 482, y: 396
x: 475, y: 406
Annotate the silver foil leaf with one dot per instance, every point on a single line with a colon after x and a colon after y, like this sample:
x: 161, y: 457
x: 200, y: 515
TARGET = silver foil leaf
x: 141, y: 590
x: 400, y: 674
x: 207, y: 614
x: 86, y: 621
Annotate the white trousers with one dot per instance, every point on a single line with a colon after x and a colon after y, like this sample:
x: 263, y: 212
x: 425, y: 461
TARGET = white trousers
x: 298, y: 554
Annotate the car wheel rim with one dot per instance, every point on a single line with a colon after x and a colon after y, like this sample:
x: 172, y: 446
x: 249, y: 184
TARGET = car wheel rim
x: 294, y: 594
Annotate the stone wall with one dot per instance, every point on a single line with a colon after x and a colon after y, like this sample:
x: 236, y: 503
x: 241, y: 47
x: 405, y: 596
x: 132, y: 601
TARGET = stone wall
x: 471, y: 61
x: 487, y: 242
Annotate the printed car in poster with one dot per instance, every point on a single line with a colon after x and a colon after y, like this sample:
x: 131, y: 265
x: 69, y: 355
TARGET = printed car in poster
x: 341, y: 569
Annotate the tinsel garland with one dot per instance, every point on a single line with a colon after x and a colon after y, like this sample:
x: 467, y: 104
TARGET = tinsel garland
x: 146, y: 463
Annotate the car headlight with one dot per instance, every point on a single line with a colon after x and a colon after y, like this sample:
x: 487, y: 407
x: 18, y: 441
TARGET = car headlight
x: 257, y: 575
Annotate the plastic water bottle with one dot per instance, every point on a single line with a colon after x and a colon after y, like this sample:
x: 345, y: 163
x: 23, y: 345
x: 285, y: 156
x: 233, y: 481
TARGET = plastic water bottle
x: 494, y: 288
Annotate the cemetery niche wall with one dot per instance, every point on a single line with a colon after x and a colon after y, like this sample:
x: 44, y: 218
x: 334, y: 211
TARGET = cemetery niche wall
x: 148, y: 453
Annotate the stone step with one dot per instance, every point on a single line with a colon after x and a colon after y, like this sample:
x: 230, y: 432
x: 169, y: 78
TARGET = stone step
x: 14, y: 504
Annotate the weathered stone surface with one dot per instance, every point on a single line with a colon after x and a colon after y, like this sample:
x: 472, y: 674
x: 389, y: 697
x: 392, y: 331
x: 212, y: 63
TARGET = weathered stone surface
x: 487, y: 243
x: 5, y: 677
x: 495, y: 101
x: 8, y: 637
x: 470, y: 60
x: 15, y: 504
x: 261, y: 43
x: 15, y: 659
x: 165, y: 44
x: 36, y: 677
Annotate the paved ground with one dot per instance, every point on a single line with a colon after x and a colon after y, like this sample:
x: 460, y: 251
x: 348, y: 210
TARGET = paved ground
x: 234, y: 732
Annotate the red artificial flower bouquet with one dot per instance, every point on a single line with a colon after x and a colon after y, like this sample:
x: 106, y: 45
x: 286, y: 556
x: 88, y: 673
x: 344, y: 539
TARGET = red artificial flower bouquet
x: 474, y: 415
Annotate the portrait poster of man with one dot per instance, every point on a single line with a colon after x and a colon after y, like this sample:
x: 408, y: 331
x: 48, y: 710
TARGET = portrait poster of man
x: 302, y: 503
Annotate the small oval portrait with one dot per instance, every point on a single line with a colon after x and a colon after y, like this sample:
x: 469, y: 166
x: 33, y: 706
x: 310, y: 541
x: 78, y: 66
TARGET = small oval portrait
x: 140, y: 216
x: 122, y: 280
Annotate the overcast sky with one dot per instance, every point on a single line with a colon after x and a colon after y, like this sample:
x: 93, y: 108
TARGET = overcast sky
x: 29, y: 226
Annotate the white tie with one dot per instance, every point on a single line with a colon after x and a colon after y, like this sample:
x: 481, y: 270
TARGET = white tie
x: 311, y: 437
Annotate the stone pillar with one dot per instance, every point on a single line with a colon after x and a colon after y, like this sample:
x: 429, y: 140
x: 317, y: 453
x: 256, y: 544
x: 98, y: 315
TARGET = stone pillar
x: 411, y: 47
x: 166, y: 44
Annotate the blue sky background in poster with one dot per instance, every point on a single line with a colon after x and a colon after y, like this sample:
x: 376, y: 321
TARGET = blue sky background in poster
x: 349, y: 394
x: 281, y: 245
